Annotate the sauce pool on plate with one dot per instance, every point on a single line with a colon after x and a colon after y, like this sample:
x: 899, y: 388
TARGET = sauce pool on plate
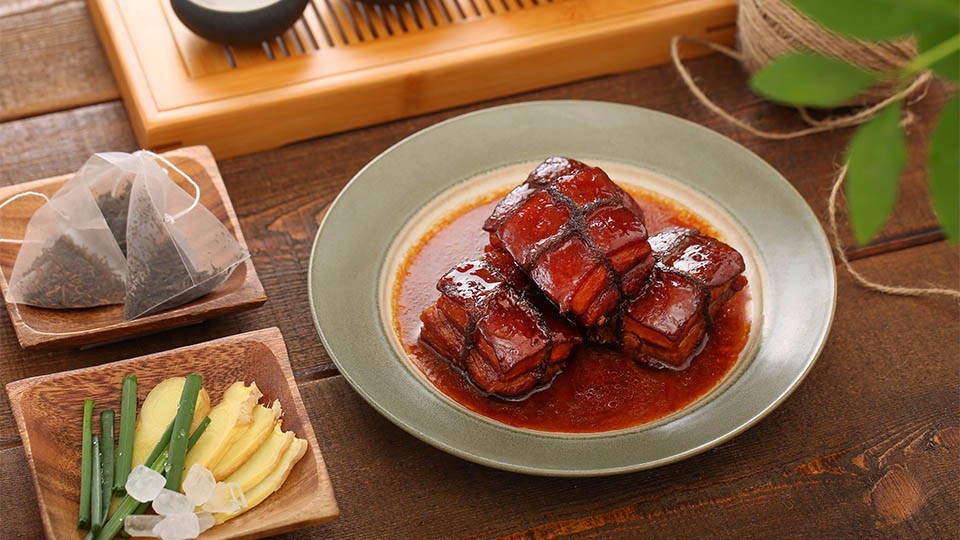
x: 600, y: 389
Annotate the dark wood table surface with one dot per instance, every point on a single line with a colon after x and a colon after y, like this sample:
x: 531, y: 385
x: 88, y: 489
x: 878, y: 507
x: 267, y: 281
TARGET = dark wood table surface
x: 868, y: 446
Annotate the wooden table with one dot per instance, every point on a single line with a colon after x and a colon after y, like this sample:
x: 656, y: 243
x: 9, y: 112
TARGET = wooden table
x: 869, y: 445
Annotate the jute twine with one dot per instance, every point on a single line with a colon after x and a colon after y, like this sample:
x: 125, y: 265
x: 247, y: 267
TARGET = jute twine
x: 880, y: 287
x: 768, y: 29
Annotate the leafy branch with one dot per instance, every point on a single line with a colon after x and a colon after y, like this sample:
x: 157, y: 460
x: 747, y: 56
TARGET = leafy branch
x: 877, y: 153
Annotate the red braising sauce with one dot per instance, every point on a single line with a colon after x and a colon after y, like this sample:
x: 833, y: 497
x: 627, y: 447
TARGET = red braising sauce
x: 600, y: 389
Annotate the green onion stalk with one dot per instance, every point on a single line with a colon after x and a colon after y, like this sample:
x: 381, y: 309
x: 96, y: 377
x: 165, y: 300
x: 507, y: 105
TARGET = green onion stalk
x: 128, y: 419
x: 162, y: 456
x: 107, y: 454
x: 86, y: 464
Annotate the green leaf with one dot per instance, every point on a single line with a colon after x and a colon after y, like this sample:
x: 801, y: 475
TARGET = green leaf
x: 876, y: 20
x: 810, y: 80
x: 875, y: 158
x: 933, y: 33
x: 944, y: 160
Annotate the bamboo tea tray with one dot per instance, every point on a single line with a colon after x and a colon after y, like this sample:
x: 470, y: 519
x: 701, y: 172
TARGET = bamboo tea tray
x: 38, y: 328
x: 347, y: 64
x: 48, y: 411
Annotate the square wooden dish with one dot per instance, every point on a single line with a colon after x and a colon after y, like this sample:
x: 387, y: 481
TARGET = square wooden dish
x: 48, y: 410
x: 349, y: 63
x: 39, y: 328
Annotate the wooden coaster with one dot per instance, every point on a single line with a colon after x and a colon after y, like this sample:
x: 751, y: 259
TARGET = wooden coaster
x: 347, y: 64
x: 39, y: 328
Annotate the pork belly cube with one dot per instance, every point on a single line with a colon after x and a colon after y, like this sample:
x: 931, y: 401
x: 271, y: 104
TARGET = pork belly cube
x: 564, y: 335
x: 583, y: 185
x: 578, y: 236
x: 484, y: 325
x: 442, y: 336
x: 577, y: 281
x: 465, y: 289
x: 538, y: 223
x: 544, y: 174
x: 512, y: 357
x: 619, y: 234
x: 504, y: 264
x: 715, y: 264
x: 666, y: 324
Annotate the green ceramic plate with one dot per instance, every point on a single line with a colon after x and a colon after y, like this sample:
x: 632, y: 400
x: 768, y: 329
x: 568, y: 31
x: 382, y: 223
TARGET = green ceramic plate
x: 399, y: 194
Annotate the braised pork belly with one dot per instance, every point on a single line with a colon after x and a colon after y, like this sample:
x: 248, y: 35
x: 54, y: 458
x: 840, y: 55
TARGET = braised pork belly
x: 489, y: 324
x: 577, y: 235
x: 569, y: 257
x: 715, y: 264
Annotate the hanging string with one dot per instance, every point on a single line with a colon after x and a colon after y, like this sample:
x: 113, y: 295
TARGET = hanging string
x: 816, y: 126
x: 921, y: 83
x: 20, y: 196
x: 769, y: 29
x: 880, y: 287
x: 196, y: 199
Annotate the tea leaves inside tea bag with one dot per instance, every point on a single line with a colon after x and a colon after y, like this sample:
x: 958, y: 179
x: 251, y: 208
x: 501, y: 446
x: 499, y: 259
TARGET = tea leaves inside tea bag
x: 114, y: 206
x: 160, y: 274
x: 69, y: 258
x: 177, y: 251
x: 109, y: 177
x: 68, y: 275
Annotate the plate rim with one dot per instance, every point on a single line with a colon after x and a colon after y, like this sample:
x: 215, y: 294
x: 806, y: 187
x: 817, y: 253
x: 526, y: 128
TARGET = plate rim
x: 794, y: 383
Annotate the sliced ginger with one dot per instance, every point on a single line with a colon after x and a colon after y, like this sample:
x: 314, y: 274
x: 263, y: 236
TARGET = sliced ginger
x: 244, y: 442
x: 228, y: 421
x: 264, y: 460
x: 273, y: 481
x: 253, y: 437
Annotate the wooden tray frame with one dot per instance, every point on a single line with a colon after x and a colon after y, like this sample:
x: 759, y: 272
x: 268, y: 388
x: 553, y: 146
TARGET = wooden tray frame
x: 178, y: 90
x: 58, y: 329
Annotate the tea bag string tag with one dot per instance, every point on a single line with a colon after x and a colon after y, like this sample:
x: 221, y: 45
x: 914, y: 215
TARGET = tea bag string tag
x: 196, y: 188
x: 20, y: 196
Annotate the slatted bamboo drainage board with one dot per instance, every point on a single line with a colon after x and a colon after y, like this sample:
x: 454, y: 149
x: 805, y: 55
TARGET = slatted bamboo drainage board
x: 347, y: 64
x: 340, y: 23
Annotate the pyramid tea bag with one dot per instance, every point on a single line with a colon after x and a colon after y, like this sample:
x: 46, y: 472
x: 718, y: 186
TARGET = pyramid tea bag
x: 177, y: 250
x: 109, y: 177
x: 69, y: 258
